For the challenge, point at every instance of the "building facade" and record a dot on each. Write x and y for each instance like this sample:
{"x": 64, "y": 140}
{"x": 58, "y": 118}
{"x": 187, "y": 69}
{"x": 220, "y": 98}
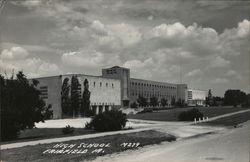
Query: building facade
{"x": 105, "y": 92}
{"x": 114, "y": 89}
{"x": 196, "y": 97}
{"x": 132, "y": 88}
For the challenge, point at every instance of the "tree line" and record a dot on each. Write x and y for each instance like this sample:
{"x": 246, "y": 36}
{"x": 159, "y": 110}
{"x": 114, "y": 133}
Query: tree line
{"x": 154, "y": 101}
{"x": 72, "y": 103}
{"x": 232, "y": 97}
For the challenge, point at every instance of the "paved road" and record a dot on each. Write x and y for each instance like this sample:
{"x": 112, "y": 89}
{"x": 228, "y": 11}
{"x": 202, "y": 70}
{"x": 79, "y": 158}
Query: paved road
{"x": 228, "y": 145}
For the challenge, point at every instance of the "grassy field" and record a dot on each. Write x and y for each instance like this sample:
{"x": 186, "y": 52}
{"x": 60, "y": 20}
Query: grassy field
{"x": 172, "y": 114}
{"x": 233, "y": 120}
{"x": 46, "y": 133}
{"x": 117, "y": 143}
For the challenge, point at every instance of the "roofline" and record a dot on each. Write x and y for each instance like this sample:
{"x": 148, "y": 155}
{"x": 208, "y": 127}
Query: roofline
{"x": 100, "y": 76}
{"x": 155, "y": 81}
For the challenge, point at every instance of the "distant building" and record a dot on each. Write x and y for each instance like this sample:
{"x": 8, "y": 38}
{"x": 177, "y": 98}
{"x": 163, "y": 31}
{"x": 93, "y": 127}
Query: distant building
{"x": 112, "y": 90}
{"x": 196, "y": 97}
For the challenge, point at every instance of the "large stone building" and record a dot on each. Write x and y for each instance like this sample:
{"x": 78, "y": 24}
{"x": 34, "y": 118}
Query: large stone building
{"x": 113, "y": 89}
{"x": 132, "y": 88}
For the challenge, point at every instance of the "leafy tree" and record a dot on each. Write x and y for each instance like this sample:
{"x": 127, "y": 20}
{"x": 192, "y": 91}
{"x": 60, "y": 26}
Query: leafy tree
{"x": 134, "y": 105}
{"x": 180, "y": 103}
{"x": 21, "y": 105}
{"x": 154, "y": 101}
{"x": 217, "y": 101}
{"x": 234, "y": 97}
{"x": 164, "y": 102}
{"x": 173, "y": 102}
{"x": 209, "y": 98}
{"x": 65, "y": 100}
{"x": 86, "y": 100}
{"x": 75, "y": 94}
{"x": 142, "y": 101}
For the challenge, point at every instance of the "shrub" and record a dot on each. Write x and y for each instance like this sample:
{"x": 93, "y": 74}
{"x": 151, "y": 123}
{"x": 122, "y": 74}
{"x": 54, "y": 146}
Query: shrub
{"x": 68, "y": 129}
{"x": 88, "y": 125}
{"x": 190, "y": 115}
{"x": 109, "y": 121}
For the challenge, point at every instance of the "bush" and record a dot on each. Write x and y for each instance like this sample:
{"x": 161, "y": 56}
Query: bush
{"x": 68, "y": 129}
{"x": 109, "y": 121}
{"x": 190, "y": 115}
{"x": 88, "y": 125}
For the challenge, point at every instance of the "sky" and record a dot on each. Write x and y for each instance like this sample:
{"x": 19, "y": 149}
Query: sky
{"x": 202, "y": 43}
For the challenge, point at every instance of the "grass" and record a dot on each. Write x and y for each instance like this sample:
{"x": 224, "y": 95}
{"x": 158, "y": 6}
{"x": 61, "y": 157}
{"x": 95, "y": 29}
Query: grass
{"x": 35, "y": 153}
{"x": 232, "y": 120}
{"x": 172, "y": 114}
{"x": 46, "y": 133}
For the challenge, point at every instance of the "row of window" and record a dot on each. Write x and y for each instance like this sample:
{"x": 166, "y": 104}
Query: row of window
{"x": 151, "y": 95}
{"x": 100, "y": 84}
{"x": 111, "y": 71}
{"x": 151, "y": 85}
{"x": 44, "y": 92}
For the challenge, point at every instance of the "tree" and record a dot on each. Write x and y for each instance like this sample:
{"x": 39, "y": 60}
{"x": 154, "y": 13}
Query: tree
{"x": 65, "y": 100}
{"x": 75, "y": 94}
{"x": 86, "y": 100}
{"x": 21, "y": 105}
{"x": 154, "y": 101}
{"x": 133, "y": 105}
{"x": 180, "y": 103}
{"x": 234, "y": 97}
{"x": 173, "y": 101}
{"x": 209, "y": 98}
{"x": 164, "y": 102}
{"x": 142, "y": 101}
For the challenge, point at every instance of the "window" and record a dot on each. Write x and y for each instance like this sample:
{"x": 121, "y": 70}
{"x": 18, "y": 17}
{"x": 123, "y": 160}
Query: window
{"x": 94, "y": 84}
{"x": 107, "y": 85}
{"x": 100, "y": 84}
{"x": 112, "y": 85}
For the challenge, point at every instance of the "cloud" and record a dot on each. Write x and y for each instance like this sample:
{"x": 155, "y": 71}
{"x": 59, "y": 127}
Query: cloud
{"x": 83, "y": 58}
{"x": 195, "y": 72}
{"x": 231, "y": 73}
{"x": 14, "y": 53}
{"x": 18, "y": 59}
{"x": 32, "y": 67}
{"x": 218, "y": 62}
{"x": 220, "y": 81}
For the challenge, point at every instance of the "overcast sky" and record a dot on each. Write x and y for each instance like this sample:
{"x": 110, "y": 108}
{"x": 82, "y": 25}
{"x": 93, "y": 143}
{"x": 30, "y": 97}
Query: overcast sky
{"x": 207, "y": 40}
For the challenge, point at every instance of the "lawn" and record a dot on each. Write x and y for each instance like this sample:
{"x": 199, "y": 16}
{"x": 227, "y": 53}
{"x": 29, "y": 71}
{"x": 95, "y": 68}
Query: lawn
{"x": 46, "y": 133}
{"x": 111, "y": 144}
{"x": 172, "y": 114}
{"x": 233, "y": 120}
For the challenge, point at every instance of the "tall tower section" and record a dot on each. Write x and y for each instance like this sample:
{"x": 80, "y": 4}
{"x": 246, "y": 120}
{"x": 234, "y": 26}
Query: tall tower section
{"x": 123, "y": 74}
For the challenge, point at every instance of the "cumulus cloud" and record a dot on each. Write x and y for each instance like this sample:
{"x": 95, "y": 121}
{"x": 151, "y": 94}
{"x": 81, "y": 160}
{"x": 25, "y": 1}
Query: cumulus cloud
{"x": 220, "y": 81}
{"x": 18, "y": 59}
{"x": 218, "y": 62}
{"x": 231, "y": 73}
{"x": 83, "y": 58}
{"x": 195, "y": 72}
{"x": 14, "y": 53}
